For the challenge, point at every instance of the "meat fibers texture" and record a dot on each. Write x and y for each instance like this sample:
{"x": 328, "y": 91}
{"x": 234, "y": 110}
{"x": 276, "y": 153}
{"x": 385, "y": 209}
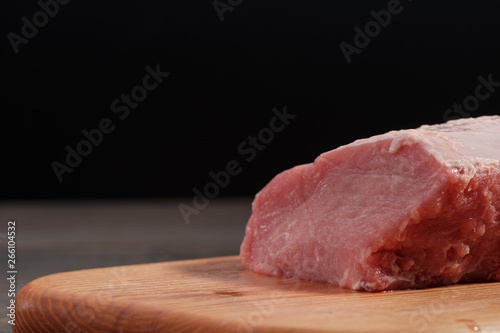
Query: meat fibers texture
{"x": 407, "y": 209}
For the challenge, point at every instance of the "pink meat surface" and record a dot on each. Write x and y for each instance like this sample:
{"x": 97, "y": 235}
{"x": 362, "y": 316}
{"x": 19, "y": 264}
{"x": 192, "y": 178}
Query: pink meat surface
{"x": 406, "y": 209}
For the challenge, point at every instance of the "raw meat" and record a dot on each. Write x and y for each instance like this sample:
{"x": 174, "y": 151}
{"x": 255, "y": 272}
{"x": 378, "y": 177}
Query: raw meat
{"x": 406, "y": 209}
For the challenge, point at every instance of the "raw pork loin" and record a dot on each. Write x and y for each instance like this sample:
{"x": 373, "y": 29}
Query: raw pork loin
{"x": 406, "y": 209}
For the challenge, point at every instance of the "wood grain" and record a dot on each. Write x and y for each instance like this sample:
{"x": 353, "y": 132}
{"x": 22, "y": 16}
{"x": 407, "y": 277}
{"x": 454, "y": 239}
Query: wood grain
{"x": 219, "y": 295}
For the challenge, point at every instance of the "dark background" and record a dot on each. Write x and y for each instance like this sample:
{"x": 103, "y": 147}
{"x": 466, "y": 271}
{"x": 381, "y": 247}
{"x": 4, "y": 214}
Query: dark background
{"x": 225, "y": 79}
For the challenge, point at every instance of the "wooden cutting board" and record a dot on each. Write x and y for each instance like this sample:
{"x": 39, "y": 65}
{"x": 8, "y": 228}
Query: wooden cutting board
{"x": 219, "y": 295}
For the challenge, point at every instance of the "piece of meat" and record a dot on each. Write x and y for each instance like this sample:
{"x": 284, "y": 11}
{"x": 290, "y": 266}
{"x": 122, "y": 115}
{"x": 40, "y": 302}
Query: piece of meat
{"x": 406, "y": 209}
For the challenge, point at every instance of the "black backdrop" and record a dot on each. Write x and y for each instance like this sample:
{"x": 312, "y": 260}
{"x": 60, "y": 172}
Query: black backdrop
{"x": 225, "y": 78}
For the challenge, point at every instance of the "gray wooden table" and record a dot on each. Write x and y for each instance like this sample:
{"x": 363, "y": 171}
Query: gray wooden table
{"x": 62, "y": 236}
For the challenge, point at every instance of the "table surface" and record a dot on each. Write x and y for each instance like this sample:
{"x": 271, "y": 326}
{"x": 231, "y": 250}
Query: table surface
{"x": 59, "y": 236}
